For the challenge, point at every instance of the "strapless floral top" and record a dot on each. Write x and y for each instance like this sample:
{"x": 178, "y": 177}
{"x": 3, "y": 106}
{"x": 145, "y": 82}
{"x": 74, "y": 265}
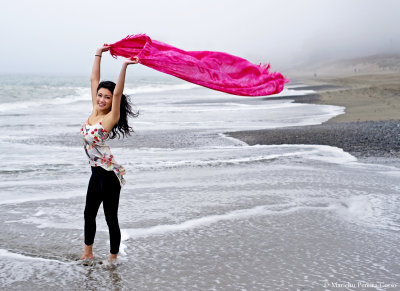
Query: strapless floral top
{"x": 98, "y": 152}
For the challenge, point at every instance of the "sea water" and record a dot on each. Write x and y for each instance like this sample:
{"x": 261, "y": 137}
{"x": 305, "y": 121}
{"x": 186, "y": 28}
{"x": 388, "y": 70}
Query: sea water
{"x": 200, "y": 210}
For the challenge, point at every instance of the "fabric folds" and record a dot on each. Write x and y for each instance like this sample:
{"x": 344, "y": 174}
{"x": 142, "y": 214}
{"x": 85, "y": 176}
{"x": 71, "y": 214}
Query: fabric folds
{"x": 215, "y": 70}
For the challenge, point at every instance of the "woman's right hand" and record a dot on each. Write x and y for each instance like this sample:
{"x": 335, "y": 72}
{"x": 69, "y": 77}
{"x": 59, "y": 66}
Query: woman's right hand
{"x": 132, "y": 60}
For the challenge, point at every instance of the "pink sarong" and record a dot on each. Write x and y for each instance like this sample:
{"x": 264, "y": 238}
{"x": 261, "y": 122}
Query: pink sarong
{"x": 215, "y": 70}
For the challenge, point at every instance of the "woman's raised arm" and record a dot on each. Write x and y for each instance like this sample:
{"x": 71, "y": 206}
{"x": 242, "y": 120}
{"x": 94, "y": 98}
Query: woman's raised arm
{"x": 113, "y": 117}
{"x": 95, "y": 77}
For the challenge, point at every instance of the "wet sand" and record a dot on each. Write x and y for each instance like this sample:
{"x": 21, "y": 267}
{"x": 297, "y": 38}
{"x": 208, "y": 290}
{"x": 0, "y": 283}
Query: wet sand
{"x": 370, "y": 126}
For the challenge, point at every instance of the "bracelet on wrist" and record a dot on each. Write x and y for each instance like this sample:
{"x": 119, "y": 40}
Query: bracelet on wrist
{"x": 97, "y": 56}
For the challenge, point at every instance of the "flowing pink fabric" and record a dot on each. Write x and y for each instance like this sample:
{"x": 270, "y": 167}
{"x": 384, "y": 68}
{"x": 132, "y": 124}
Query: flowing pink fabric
{"x": 216, "y": 70}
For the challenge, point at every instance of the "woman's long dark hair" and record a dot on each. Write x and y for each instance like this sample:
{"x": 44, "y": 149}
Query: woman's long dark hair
{"x": 122, "y": 127}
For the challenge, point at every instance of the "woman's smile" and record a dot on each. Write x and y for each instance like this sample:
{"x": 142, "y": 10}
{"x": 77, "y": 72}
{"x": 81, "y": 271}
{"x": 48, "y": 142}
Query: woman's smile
{"x": 104, "y": 98}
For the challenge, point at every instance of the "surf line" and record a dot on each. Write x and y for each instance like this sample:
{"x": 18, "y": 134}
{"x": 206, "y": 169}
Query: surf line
{"x": 133, "y": 233}
{"x": 6, "y": 253}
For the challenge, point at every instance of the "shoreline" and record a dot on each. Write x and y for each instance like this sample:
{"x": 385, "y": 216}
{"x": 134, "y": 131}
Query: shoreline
{"x": 369, "y": 128}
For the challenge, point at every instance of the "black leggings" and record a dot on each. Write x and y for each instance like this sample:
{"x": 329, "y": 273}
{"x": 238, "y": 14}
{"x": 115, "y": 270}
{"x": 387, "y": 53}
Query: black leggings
{"x": 103, "y": 187}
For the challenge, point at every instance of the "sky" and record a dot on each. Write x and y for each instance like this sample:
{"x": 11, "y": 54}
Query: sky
{"x": 61, "y": 37}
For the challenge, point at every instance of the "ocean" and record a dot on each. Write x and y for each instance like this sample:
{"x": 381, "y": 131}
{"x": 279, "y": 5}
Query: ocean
{"x": 200, "y": 210}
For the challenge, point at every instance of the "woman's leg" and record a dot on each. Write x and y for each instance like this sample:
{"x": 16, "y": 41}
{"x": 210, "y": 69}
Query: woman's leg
{"x": 110, "y": 206}
{"x": 93, "y": 201}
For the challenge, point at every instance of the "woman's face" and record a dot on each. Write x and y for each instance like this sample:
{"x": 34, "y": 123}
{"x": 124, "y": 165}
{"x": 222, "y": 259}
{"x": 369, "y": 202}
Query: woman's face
{"x": 104, "y": 99}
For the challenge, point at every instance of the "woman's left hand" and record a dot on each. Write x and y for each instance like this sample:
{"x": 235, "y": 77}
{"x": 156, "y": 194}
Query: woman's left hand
{"x": 132, "y": 60}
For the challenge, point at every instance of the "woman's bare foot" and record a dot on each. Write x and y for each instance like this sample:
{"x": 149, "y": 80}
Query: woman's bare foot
{"x": 87, "y": 253}
{"x": 112, "y": 257}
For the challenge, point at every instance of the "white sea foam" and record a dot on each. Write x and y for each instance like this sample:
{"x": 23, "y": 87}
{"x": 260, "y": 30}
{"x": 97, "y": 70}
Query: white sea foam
{"x": 376, "y": 211}
{"x": 194, "y": 223}
{"x": 39, "y": 213}
{"x": 28, "y": 270}
{"x": 231, "y": 155}
{"x": 212, "y": 219}
{"x": 165, "y": 228}
{"x": 328, "y": 154}
{"x": 232, "y": 117}
{"x": 216, "y": 162}
{"x": 16, "y": 256}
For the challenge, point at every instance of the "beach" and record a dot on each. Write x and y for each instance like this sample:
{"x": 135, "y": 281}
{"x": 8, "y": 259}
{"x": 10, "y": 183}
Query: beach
{"x": 370, "y": 126}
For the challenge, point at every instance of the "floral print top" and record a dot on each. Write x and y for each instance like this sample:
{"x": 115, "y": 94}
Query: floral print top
{"x": 98, "y": 152}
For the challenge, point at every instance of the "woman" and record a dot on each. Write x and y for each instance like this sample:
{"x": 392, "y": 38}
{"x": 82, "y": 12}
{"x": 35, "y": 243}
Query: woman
{"x": 109, "y": 118}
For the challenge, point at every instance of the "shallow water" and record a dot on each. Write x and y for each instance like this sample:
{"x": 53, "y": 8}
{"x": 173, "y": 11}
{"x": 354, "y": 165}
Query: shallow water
{"x": 200, "y": 211}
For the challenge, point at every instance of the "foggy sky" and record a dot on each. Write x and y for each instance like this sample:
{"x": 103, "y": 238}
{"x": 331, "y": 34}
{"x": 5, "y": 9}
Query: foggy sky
{"x": 61, "y": 37}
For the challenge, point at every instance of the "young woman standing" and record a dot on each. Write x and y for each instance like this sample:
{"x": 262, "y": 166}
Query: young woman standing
{"x": 108, "y": 119}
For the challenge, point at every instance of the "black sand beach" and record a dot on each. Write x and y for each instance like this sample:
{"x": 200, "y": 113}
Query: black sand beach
{"x": 361, "y": 139}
